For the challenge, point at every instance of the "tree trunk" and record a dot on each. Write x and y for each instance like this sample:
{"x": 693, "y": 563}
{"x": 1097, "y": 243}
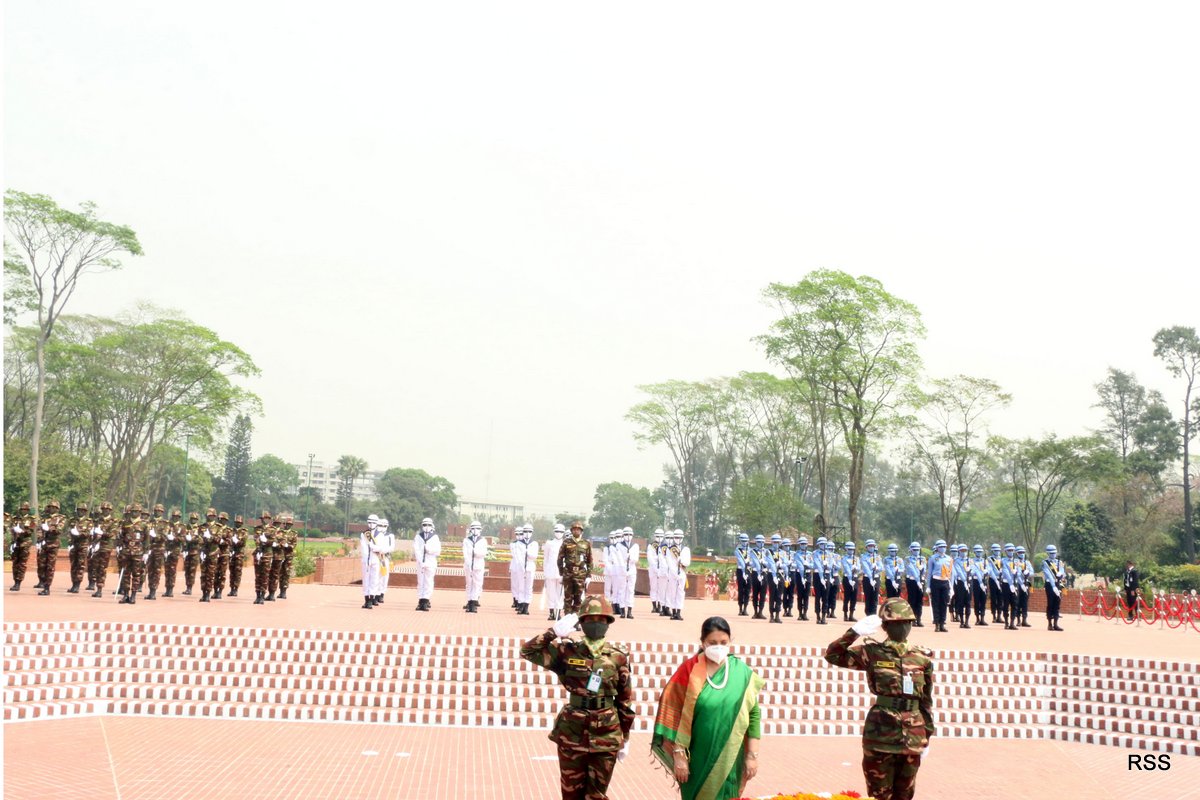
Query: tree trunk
{"x": 35, "y": 443}
{"x": 1189, "y": 534}
{"x": 857, "y": 456}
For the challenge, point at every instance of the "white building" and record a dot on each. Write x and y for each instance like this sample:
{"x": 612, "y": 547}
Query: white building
{"x": 325, "y": 480}
{"x": 480, "y": 510}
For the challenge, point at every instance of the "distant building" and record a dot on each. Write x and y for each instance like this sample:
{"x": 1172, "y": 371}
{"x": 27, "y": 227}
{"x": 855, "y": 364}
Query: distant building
{"x": 479, "y": 510}
{"x": 325, "y": 480}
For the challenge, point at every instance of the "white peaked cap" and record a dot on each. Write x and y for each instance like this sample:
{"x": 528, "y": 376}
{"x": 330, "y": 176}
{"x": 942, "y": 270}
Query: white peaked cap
{"x": 427, "y": 521}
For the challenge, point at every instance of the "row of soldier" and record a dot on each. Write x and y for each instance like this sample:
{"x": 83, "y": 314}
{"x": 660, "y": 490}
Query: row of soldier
{"x": 147, "y": 546}
{"x": 957, "y": 580}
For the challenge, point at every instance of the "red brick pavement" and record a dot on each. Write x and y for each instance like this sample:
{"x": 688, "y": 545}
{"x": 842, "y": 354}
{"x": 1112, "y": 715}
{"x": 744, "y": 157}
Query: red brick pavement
{"x": 133, "y": 757}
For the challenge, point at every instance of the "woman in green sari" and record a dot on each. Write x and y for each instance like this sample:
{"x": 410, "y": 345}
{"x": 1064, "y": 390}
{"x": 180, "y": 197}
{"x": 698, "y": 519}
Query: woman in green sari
{"x": 707, "y": 728}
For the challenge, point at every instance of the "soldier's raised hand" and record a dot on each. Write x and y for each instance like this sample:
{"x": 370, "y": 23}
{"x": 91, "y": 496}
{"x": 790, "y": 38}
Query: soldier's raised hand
{"x": 867, "y": 625}
{"x": 566, "y": 625}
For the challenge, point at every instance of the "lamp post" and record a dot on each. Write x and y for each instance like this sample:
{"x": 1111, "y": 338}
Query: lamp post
{"x": 308, "y": 494}
{"x": 187, "y": 449}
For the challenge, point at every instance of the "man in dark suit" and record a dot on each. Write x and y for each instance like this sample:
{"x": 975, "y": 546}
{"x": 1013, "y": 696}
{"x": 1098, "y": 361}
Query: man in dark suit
{"x": 1132, "y": 585}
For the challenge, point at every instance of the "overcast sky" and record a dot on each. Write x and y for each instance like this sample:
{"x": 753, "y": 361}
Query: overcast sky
{"x": 457, "y": 236}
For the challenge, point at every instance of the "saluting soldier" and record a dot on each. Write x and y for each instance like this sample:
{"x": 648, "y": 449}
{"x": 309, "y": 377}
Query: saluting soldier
{"x": 80, "y": 534}
{"x": 156, "y": 538}
{"x": 52, "y": 527}
{"x": 264, "y": 552}
{"x": 574, "y": 564}
{"x": 223, "y": 544}
{"x": 592, "y": 730}
{"x": 238, "y": 536}
{"x": 900, "y": 723}
{"x": 22, "y": 526}
{"x": 191, "y": 552}
{"x": 104, "y": 536}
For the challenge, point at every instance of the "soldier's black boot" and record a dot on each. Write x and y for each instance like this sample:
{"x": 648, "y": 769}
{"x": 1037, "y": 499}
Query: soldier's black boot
{"x": 1025, "y": 622}
{"x": 1057, "y": 627}
{"x": 654, "y": 607}
{"x": 514, "y": 605}
{"x": 283, "y": 596}
{"x": 216, "y": 595}
{"x": 153, "y": 595}
{"x": 232, "y": 593}
{"x": 98, "y": 593}
{"x": 367, "y": 603}
{"x": 204, "y": 597}
{"x": 629, "y": 613}
{"x": 131, "y": 599}
{"x": 91, "y": 587}
{"x": 852, "y": 617}
{"x": 270, "y": 598}
{"x": 1049, "y": 624}
{"x": 169, "y": 593}
{"x": 258, "y": 598}
{"x": 74, "y": 588}
{"x": 39, "y": 585}
{"x": 188, "y": 590}
{"x": 918, "y": 624}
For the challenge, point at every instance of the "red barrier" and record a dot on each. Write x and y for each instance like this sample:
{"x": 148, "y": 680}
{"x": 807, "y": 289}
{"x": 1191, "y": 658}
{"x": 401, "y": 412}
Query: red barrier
{"x": 1174, "y": 611}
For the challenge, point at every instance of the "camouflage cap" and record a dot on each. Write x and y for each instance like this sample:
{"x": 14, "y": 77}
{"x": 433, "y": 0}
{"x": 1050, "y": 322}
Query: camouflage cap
{"x": 896, "y": 609}
{"x": 193, "y": 516}
{"x": 175, "y": 512}
{"x": 159, "y": 507}
{"x": 595, "y": 606}
{"x": 212, "y": 512}
{"x": 576, "y": 524}
{"x": 106, "y": 506}
{"x": 223, "y": 515}
{"x": 135, "y": 508}
{"x": 24, "y": 506}
{"x": 52, "y": 504}
{"x": 238, "y": 518}
{"x": 81, "y": 506}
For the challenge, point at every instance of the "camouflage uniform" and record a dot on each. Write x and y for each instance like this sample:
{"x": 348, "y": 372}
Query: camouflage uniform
{"x": 132, "y": 544}
{"x": 156, "y": 540}
{"x": 900, "y": 724}
{"x": 238, "y": 537}
{"x": 594, "y": 725}
{"x": 50, "y": 531}
{"x": 191, "y": 551}
{"x": 264, "y": 539}
{"x": 210, "y": 538}
{"x": 574, "y": 564}
{"x": 223, "y": 543}
{"x": 21, "y": 541}
{"x": 288, "y": 538}
{"x": 276, "y": 560}
{"x": 80, "y": 534}
{"x": 104, "y": 535}
{"x": 171, "y": 550}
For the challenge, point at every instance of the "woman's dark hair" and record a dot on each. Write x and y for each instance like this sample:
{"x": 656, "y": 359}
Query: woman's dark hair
{"x": 714, "y": 624}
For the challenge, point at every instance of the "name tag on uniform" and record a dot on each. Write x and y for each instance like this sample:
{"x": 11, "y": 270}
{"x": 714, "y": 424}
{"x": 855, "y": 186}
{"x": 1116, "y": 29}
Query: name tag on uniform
{"x": 577, "y": 662}
{"x": 593, "y": 684}
{"x": 886, "y": 664}
{"x": 908, "y": 685}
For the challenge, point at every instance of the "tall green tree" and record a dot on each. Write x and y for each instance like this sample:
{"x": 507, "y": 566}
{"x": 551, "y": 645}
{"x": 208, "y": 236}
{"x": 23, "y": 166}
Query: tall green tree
{"x": 949, "y": 444}
{"x": 233, "y": 490}
{"x": 19, "y": 295}
{"x": 57, "y": 247}
{"x": 1179, "y": 349}
{"x": 273, "y": 481}
{"x": 857, "y": 343}
{"x": 620, "y": 504}
{"x": 761, "y": 504}
{"x": 349, "y": 469}
{"x": 1087, "y": 533}
{"x": 406, "y": 496}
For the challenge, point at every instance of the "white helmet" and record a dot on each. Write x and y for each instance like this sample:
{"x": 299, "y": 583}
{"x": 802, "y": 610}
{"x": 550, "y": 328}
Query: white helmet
{"x": 628, "y": 531}
{"x": 383, "y": 523}
{"x": 475, "y": 526}
{"x": 372, "y": 520}
{"x": 560, "y": 528}
{"x": 528, "y": 528}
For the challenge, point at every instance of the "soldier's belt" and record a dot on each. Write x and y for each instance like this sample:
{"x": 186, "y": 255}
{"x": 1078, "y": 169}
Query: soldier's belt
{"x": 897, "y": 703}
{"x": 591, "y": 703}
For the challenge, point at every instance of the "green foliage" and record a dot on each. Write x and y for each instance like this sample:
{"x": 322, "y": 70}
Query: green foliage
{"x": 760, "y": 504}
{"x": 19, "y": 294}
{"x": 1184, "y": 577}
{"x": 406, "y": 496}
{"x": 304, "y": 562}
{"x": 619, "y": 504}
{"x": 233, "y": 490}
{"x": 64, "y": 476}
{"x": 1087, "y": 533}
{"x": 273, "y": 477}
{"x": 906, "y": 517}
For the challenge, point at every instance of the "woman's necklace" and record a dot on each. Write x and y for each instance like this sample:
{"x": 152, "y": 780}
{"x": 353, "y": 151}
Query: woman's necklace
{"x": 724, "y": 680}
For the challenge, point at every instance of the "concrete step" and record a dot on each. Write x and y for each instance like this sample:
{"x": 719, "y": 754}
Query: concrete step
{"x": 1124, "y": 741}
{"x": 1179, "y": 702}
{"x": 1162, "y": 677}
{"x": 1116, "y": 725}
{"x": 1127, "y": 712}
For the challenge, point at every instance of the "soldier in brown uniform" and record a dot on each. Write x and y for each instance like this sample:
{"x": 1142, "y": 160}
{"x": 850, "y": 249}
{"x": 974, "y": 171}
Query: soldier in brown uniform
{"x": 144, "y": 518}
{"x": 900, "y": 723}
{"x": 238, "y": 536}
{"x": 592, "y": 730}
{"x": 172, "y": 547}
{"x": 210, "y": 546}
{"x": 264, "y": 539}
{"x": 156, "y": 541}
{"x": 191, "y": 551}
{"x": 133, "y": 546}
{"x": 574, "y": 564}
{"x": 52, "y": 527}
{"x": 288, "y": 539}
{"x": 276, "y": 560}
{"x": 80, "y": 535}
{"x": 22, "y": 526}
{"x": 223, "y": 545}
{"x": 104, "y": 535}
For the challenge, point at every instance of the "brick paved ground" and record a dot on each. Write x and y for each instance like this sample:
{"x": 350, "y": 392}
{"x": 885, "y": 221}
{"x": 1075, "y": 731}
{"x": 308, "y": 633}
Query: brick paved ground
{"x": 152, "y": 758}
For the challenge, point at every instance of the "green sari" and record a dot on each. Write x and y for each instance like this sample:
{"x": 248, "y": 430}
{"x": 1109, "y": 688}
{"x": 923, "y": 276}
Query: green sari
{"x": 712, "y": 724}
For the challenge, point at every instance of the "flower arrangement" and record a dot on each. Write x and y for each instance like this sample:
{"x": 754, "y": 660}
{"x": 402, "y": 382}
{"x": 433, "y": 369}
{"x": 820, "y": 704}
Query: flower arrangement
{"x": 846, "y": 795}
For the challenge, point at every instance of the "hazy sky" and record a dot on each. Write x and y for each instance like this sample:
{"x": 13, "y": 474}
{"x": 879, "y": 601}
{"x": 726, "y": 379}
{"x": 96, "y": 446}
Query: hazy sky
{"x": 457, "y": 235}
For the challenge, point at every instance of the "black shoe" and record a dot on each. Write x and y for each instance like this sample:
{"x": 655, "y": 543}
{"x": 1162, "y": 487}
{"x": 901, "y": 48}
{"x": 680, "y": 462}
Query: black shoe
{"x": 654, "y": 607}
{"x": 98, "y": 593}
{"x": 187, "y": 590}
{"x": 216, "y": 595}
{"x": 91, "y": 587}
{"x": 169, "y": 593}
{"x": 981, "y": 623}
{"x": 232, "y": 593}
{"x": 258, "y": 598}
{"x": 367, "y": 603}
{"x": 787, "y": 613}
{"x": 270, "y": 598}
{"x": 1025, "y": 624}
{"x": 40, "y": 585}
{"x": 803, "y": 618}
{"x": 283, "y": 596}
{"x": 204, "y": 597}
{"x": 74, "y": 588}
{"x": 152, "y": 596}
{"x": 514, "y": 605}
{"x": 1057, "y": 627}
{"x": 918, "y": 624}
{"x": 852, "y": 618}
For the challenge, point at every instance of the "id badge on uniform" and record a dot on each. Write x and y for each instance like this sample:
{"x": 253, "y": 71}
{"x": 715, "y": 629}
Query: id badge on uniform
{"x": 908, "y": 685}
{"x": 593, "y": 684}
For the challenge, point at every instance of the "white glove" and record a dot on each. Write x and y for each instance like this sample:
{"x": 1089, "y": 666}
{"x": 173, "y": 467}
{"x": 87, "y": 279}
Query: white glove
{"x": 75, "y": 531}
{"x": 188, "y": 537}
{"x": 208, "y": 534}
{"x": 624, "y": 751}
{"x": 867, "y": 625}
{"x": 39, "y": 545}
{"x": 96, "y": 531}
{"x": 925, "y": 752}
{"x": 93, "y": 548}
{"x": 45, "y": 527}
{"x": 258, "y": 556}
{"x": 153, "y": 533}
{"x": 18, "y": 529}
{"x": 263, "y": 538}
{"x": 235, "y": 540}
{"x": 170, "y": 537}
{"x": 203, "y": 557}
{"x": 146, "y": 558}
{"x": 565, "y": 625}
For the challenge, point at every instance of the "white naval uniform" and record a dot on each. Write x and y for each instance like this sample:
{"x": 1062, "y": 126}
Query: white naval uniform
{"x": 616, "y": 571}
{"x": 475, "y": 555}
{"x": 679, "y": 577}
{"x": 629, "y": 579}
{"x": 552, "y": 587}
{"x": 516, "y": 568}
{"x": 426, "y": 552}
{"x": 385, "y": 544}
{"x": 370, "y": 563}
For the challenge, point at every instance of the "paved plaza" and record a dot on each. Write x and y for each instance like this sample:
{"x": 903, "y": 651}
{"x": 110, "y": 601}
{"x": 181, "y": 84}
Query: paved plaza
{"x": 163, "y": 757}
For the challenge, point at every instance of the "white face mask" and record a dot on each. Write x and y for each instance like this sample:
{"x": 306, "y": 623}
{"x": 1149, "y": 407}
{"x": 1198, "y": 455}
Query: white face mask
{"x": 558, "y": 534}
{"x": 717, "y": 653}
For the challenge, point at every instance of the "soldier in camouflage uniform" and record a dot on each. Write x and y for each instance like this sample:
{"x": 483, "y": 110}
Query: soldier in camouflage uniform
{"x": 238, "y": 536}
{"x": 574, "y": 564}
{"x": 156, "y": 541}
{"x": 172, "y": 547}
{"x": 104, "y": 536}
{"x": 22, "y": 526}
{"x": 264, "y": 540}
{"x": 276, "y": 559}
{"x": 80, "y": 534}
{"x": 210, "y": 538}
{"x": 223, "y": 545}
{"x": 132, "y": 544}
{"x": 592, "y": 730}
{"x": 52, "y": 527}
{"x": 900, "y": 723}
{"x": 288, "y": 538}
{"x": 144, "y": 518}
{"x": 191, "y": 552}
